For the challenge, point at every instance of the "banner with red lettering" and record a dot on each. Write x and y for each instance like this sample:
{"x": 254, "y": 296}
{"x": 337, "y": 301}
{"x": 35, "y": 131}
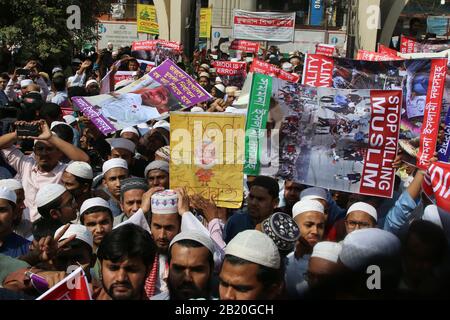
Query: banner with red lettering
{"x": 338, "y": 139}
{"x": 436, "y": 184}
{"x": 231, "y": 73}
{"x": 245, "y": 46}
{"x": 412, "y": 45}
{"x": 432, "y": 112}
{"x": 263, "y": 26}
{"x": 157, "y": 51}
{"x": 408, "y": 44}
{"x": 268, "y": 69}
{"x": 375, "y": 56}
{"x": 74, "y": 287}
{"x": 325, "y": 49}
{"x": 318, "y": 70}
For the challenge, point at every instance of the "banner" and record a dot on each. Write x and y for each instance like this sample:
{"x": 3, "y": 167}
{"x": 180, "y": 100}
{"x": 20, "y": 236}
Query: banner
{"x": 318, "y": 71}
{"x": 268, "y": 69}
{"x": 375, "y": 56}
{"x": 207, "y": 155}
{"x": 411, "y": 45}
{"x": 231, "y": 73}
{"x": 157, "y": 51}
{"x": 74, "y": 287}
{"x": 325, "y": 49}
{"x": 147, "y": 21}
{"x": 432, "y": 113}
{"x": 263, "y": 26}
{"x": 444, "y": 148}
{"x": 245, "y": 46}
{"x": 436, "y": 184}
{"x": 205, "y": 23}
{"x": 258, "y": 111}
{"x": 408, "y": 44}
{"x": 386, "y": 50}
{"x": 123, "y": 75}
{"x": 166, "y": 88}
{"x": 339, "y": 139}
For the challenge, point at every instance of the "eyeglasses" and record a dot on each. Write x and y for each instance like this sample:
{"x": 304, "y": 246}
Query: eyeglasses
{"x": 360, "y": 224}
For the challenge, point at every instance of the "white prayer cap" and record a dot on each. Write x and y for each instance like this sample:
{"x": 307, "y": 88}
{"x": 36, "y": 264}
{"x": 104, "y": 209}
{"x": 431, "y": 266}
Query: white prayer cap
{"x": 156, "y": 165}
{"x": 234, "y": 60}
{"x": 25, "y": 83}
{"x": 49, "y": 193}
{"x": 368, "y": 246}
{"x": 327, "y": 250}
{"x": 69, "y": 119}
{"x": 162, "y": 124}
{"x": 11, "y": 184}
{"x": 254, "y": 246}
{"x": 287, "y": 66}
{"x": 130, "y": 129}
{"x": 314, "y": 193}
{"x": 93, "y": 202}
{"x": 121, "y": 143}
{"x": 56, "y": 69}
{"x": 231, "y": 110}
{"x": 80, "y": 169}
{"x": 431, "y": 213}
{"x": 220, "y": 87}
{"x": 237, "y": 93}
{"x": 57, "y": 123}
{"x": 204, "y": 74}
{"x": 164, "y": 202}
{"x": 197, "y": 109}
{"x": 8, "y": 194}
{"x": 218, "y": 80}
{"x": 231, "y": 90}
{"x": 114, "y": 163}
{"x": 143, "y": 128}
{"x": 198, "y": 236}
{"x": 91, "y": 82}
{"x": 303, "y": 206}
{"x": 365, "y": 207}
{"x": 205, "y": 66}
{"x": 81, "y": 232}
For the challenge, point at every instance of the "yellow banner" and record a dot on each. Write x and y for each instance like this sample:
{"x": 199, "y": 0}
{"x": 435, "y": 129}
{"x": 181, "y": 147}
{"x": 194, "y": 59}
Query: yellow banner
{"x": 147, "y": 21}
{"x": 205, "y": 22}
{"x": 207, "y": 156}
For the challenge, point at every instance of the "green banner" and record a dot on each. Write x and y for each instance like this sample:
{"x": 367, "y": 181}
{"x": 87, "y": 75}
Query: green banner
{"x": 258, "y": 111}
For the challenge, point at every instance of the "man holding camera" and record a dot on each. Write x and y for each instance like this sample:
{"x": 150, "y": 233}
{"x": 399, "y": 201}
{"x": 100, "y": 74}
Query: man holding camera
{"x": 43, "y": 166}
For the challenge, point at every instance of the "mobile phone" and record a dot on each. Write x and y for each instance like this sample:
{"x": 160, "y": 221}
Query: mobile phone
{"x": 28, "y": 130}
{"x": 23, "y": 72}
{"x": 38, "y": 282}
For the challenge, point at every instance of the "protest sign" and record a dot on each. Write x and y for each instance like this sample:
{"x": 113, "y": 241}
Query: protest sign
{"x": 318, "y": 71}
{"x": 157, "y": 50}
{"x": 268, "y": 69}
{"x": 412, "y": 45}
{"x": 375, "y": 56}
{"x": 258, "y": 110}
{"x": 73, "y": 287}
{"x": 437, "y": 184}
{"x": 207, "y": 156}
{"x": 339, "y": 139}
{"x": 205, "y": 23}
{"x": 245, "y": 46}
{"x": 325, "y": 49}
{"x": 231, "y": 73}
{"x": 147, "y": 21}
{"x": 386, "y": 50}
{"x": 166, "y": 88}
{"x": 263, "y": 26}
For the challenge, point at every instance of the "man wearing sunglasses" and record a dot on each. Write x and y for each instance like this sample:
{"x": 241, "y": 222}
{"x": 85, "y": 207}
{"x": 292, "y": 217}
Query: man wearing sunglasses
{"x": 44, "y": 166}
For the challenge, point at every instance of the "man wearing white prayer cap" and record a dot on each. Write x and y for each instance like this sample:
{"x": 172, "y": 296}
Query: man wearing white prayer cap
{"x": 197, "y": 109}
{"x": 12, "y": 244}
{"x": 22, "y": 224}
{"x": 57, "y": 206}
{"x": 360, "y": 215}
{"x": 124, "y": 149}
{"x": 131, "y": 134}
{"x": 310, "y": 218}
{"x": 96, "y": 215}
{"x": 203, "y": 80}
{"x": 219, "y": 80}
{"x": 92, "y": 87}
{"x": 77, "y": 178}
{"x": 114, "y": 171}
{"x": 78, "y": 250}
{"x": 157, "y": 174}
{"x": 191, "y": 266}
{"x": 248, "y": 256}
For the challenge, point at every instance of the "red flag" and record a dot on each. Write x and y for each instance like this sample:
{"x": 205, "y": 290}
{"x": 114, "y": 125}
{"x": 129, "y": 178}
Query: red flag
{"x": 73, "y": 287}
{"x": 436, "y": 184}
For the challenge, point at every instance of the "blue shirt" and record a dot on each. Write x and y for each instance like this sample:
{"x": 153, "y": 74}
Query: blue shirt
{"x": 15, "y": 246}
{"x": 295, "y": 274}
{"x": 401, "y": 213}
{"x": 240, "y": 221}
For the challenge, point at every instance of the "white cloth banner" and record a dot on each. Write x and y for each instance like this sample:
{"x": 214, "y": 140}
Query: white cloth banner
{"x": 263, "y": 26}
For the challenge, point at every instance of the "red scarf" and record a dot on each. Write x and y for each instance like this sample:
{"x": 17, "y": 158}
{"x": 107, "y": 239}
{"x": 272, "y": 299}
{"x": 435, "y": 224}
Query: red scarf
{"x": 150, "y": 282}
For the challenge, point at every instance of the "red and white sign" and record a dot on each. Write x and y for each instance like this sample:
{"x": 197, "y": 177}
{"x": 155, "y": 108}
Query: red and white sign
{"x": 378, "y": 176}
{"x": 245, "y": 46}
{"x": 123, "y": 75}
{"x": 325, "y": 49}
{"x": 318, "y": 71}
{"x": 229, "y": 68}
{"x": 268, "y": 69}
{"x": 432, "y": 113}
{"x": 375, "y": 56}
{"x": 386, "y": 50}
{"x": 408, "y": 45}
{"x": 263, "y": 26}
{"x": 150, "y": 45}
{"x": 73, "y": 287}
{"x": 436, "y": 184}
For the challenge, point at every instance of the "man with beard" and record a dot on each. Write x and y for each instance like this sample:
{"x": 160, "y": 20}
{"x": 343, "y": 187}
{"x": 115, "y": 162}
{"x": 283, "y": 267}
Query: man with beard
{"x": 262, "y": 200}
{"x": 310, "y": 218}
{"x": 77, "y": 178}
{"x": 191, "y": 265}
{"x": 126, "y": 255}
{"x": 165, "y": 224}
{"x": 292, "y": 192}
{"x": 42, "y": 168}
{"x": 131, "y": 192}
